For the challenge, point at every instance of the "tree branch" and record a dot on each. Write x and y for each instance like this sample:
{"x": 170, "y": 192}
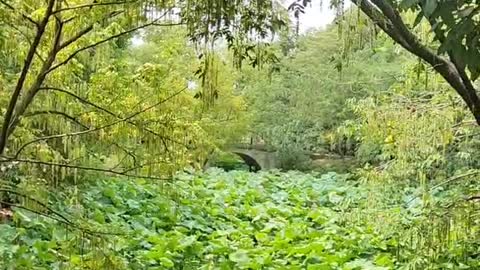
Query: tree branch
{"x": 401, "y": 34}
{"x": 133, "y": 123}
{"x": 82, "y": 100}
{"x": 34, "y": 88}
{"x": 62, "y": 218}
{"x": 69, "y": 58}
{"x": 86, "y": 30}
{"x": 473, "y": 198}
{"x": 143, "y": 166}
{"x": 25, "y": 16}
{"x": 85, "y": 168}
{"x": 69, "y": 117}
{"x": 439, "y": 34}
{"x": 23, "y": 75}
{"x": 27, "y": 39}
{"x": 66, "y": 220}
{"x": 128, "y": 153}
{"x": 101, "y": 127}
{"x": 379, "y": 19}
{"x": 92, "y": 5}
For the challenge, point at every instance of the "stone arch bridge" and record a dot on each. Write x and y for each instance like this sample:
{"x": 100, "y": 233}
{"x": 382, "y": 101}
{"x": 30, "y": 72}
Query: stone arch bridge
{"x": 256, "y": 156}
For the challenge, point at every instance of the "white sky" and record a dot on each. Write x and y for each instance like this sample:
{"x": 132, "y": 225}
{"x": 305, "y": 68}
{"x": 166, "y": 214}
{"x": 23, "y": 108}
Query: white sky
{"x": 316, "y": 16}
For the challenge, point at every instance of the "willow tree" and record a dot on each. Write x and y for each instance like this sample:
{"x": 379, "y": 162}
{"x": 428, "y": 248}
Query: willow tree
{"x": 54, "y": 48}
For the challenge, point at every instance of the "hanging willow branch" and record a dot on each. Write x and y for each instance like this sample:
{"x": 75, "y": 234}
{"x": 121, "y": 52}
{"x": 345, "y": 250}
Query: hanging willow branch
{"x": 103, "y": 109}
{"x": 25, "y": 16}
{"x": 85, "y": 168}
{"x": 54, "y": 112}
{"x": 18, "y": 103}
{"x": 95, "y": 4}
{"x": 79, "y": 133}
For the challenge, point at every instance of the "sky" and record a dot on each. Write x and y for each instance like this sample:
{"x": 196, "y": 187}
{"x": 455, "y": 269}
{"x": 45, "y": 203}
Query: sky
{"x": 316, "y": 16}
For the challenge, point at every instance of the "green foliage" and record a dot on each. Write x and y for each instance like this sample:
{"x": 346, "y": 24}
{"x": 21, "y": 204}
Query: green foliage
{"x": 417, "y": 130}
{"x": 82, "y": 90}
{"x": 455, "y": 25}
{"x": 117, "y": 84}
{"x": 240, "y": 220}
{"x": 293, "y": 157}
{"x": 78, "y": 91}
{"x": 304, "y": 96}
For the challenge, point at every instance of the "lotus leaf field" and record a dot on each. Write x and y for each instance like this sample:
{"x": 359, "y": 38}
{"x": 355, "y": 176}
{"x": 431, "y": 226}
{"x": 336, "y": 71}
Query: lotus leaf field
{"x": 238, "y": 220}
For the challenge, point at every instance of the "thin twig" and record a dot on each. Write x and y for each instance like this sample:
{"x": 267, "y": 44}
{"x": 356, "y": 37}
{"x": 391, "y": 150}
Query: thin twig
{"x": 449, "y": 180}
{"x": 28, "y": 18}
{"x": 27, "y": 39}
{"x": 101, "y": 127}
{"x": 69, "y": 117}
{"x": 4, "y": 133}
{"x": 85, "y": 168}
{"x": 474, "y": 198}
{"x": 75, "y": 53}
{"x": 92, "y": 5}
{"x": 65, "y": 220}
{"x": 138, "y": 125}
{"x": 455, "y": 178}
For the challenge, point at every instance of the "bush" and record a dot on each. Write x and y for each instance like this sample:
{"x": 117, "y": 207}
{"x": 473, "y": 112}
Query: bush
{"x": 293, "y": 158}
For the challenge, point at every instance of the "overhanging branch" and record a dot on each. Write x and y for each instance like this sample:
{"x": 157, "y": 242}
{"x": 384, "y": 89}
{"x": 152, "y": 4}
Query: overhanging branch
{"x": 126, "y": 32}
{"x": 79, "y": 133}
{"x": 85, "y": 168}
{"x": 54, "y": 112}
{"x": 102, "y": 109}
{"x": 25, "y": 16}
{"x": 92, "y": 5}
{"x": 395, "y": 28}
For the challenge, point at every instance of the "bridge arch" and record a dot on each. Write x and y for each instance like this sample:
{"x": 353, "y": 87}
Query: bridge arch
{"x": 249, "y": 160}
{"x": 255, "y": 159}
{"x": 264, "y": 160}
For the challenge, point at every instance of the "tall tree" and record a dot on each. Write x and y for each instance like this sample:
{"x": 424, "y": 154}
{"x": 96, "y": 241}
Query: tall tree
{"x": 54, "y": 48}
{"x": 456, "y": 30}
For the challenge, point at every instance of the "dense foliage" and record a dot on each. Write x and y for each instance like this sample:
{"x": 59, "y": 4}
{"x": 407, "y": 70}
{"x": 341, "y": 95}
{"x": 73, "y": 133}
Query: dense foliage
{"x": 241, "y": 220}
{"x": 293, "y": 101}
{"x": 112, "y": 109}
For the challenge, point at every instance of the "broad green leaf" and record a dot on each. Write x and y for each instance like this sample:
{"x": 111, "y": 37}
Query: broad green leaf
{"x": 240, "y": 256}
{"x": 429, "y": 7}
{"x": 166, "y": 262}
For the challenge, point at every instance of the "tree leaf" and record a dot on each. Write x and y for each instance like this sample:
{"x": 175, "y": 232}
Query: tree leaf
{"x": 429, "y": 7}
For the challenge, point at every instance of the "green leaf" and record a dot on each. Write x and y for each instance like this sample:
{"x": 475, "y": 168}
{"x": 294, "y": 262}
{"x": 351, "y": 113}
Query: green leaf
{"x": 322, "y": 266}
{"x": 240, "y": 256}
{"x": 166, "y": 262}
{"x": 407, "y": 4}
{"x": 362, "y": 264}
{"x": 98, "y": 216}
{"x": 429, "y": 7}
{"x": 384, "y": 259}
